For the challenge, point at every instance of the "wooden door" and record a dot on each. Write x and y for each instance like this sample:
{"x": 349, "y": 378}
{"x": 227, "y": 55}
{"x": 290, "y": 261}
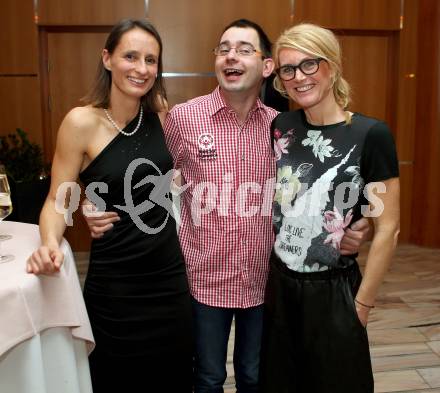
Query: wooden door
{"x": 72, "y": 57}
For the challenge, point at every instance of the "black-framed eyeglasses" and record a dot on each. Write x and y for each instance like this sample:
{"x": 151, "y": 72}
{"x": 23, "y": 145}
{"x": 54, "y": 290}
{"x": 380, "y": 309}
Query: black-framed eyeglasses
{"x": 241, "y": 50}
{"x": 308, "y": 67}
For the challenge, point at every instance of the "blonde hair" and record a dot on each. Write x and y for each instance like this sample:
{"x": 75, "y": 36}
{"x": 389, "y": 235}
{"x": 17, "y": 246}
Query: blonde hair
{"x": 319, "y": 42}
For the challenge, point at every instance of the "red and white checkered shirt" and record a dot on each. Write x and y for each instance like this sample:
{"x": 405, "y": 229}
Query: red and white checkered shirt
{"x": 230, "y": 170}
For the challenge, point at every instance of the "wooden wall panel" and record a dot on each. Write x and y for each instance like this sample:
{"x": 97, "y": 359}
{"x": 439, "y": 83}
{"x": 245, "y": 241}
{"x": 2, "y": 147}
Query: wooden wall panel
{"x": 20, "y": 106}
{"x": 185, "y": 88}
{"x": 407, "y": 83}
{"x": 426, "y": 201}
{"x": 406, "y": 196}
{"x": 350, "y": 14}
{"x": 18, "y": 38}
{"x": 369, "y": 78}
{"x": 190, "y": 29}
{"x": 405, "y": 112}
{"x": 88, "y": 12}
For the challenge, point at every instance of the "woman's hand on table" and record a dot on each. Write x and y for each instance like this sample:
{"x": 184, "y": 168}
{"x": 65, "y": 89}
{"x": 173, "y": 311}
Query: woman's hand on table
{"x": 45, "y": 260}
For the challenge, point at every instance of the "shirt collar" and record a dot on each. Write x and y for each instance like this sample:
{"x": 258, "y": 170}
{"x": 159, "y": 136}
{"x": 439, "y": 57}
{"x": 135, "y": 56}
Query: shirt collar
{"x": 218, "y": 103}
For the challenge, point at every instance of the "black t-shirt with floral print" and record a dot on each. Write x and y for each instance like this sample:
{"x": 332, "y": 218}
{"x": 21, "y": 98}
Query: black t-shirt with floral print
{"x": 321, "y": 176}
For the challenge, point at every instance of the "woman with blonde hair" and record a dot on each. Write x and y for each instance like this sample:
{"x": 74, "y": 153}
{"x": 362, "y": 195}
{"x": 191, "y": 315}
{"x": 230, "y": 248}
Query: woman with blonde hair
{"x": 333, "y": 167}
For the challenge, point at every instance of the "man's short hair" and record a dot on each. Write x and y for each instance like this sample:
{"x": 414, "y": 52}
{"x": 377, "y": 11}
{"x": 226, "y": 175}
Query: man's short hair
{"x": 265, "y": 44}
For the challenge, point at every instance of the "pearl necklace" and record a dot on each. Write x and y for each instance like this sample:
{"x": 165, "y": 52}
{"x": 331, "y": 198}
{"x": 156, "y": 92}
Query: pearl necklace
{"x": 120, "y": 129}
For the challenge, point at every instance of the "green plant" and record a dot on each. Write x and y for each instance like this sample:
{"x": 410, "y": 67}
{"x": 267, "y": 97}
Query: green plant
{"x": 22, "y": 158}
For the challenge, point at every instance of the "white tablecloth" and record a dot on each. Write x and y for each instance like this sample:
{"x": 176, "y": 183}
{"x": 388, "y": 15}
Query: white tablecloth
{"x": 45, "y": 334}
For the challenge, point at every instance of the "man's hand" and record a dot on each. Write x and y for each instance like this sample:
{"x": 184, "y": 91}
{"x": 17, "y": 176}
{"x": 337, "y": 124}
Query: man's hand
{"x": 98, "y": 222}
{"x": 355, "y": 236}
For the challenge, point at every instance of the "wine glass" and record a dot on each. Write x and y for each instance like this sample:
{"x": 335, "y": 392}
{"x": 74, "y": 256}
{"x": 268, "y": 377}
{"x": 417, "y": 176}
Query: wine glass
{"x": 5, "y": 210}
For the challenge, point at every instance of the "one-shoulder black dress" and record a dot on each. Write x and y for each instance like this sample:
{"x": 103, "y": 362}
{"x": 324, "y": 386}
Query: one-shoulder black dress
{"x": 136, "y": 290}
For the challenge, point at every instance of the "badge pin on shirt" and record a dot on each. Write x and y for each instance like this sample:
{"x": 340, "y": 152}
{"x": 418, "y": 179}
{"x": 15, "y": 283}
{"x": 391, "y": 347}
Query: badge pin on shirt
{"x": 207, "y": 150}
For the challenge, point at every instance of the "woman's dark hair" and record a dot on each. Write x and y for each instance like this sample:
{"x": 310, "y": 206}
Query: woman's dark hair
{"x": 99, "y": 95}
{"x": 265, "y": 44}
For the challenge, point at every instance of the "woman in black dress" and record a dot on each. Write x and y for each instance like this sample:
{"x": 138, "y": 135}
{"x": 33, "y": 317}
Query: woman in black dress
{"x": 136, "y": 289}
{"x": 333, "y": 167}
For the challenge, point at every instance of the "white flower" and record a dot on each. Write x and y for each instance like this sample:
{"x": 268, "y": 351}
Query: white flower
{"x": 312, "y": 137}
{"x": 321, "y": 147}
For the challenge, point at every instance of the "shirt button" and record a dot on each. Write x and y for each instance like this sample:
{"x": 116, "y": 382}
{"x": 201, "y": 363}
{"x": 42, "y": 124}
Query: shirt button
{"x": 242, "y": 157}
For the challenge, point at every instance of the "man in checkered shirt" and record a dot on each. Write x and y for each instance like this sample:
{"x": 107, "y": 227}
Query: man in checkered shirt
{"x": 221, "y": 145}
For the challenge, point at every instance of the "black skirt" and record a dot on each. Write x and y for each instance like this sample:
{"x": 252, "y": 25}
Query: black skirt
{"x": 313, "y": 340}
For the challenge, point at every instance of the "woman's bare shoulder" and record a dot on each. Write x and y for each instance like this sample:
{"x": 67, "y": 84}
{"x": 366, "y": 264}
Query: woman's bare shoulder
{"x": 79, "y": 125}
{"x": 83, "y": 117}
{"x": 81, "y": 122}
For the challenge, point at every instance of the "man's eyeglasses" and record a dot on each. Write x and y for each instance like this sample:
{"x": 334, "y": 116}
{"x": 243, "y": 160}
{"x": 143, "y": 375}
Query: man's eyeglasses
{"x": 308, "y": 67}
{"x": 241, "y": 50}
